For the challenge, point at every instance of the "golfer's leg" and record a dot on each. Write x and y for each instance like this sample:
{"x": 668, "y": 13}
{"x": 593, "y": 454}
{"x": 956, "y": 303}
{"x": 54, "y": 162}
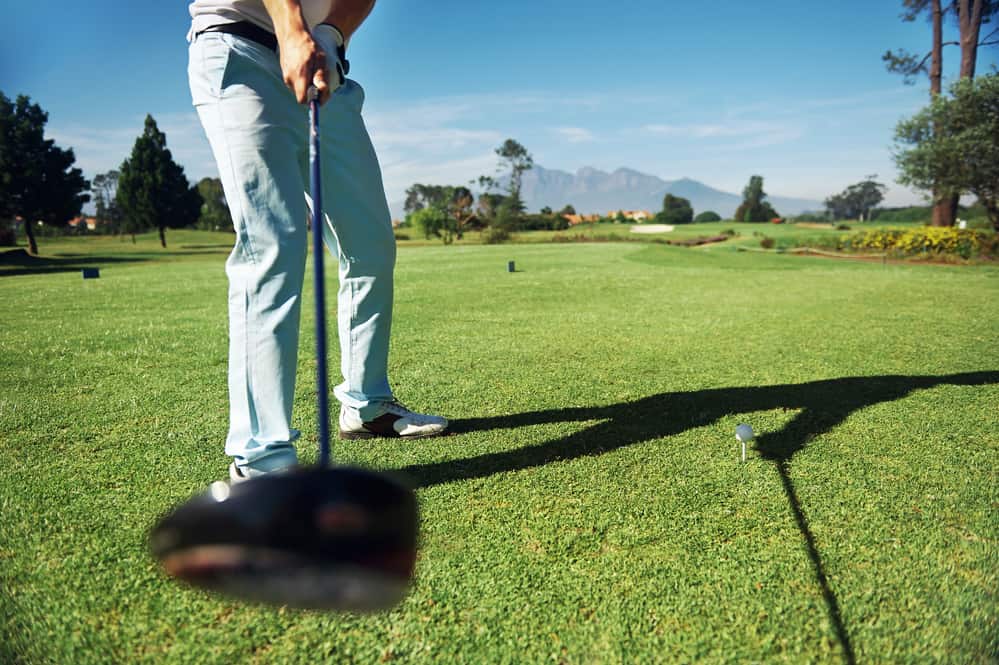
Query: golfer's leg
{"x": 359, "y": 233}
{"x": 257, "y": 134}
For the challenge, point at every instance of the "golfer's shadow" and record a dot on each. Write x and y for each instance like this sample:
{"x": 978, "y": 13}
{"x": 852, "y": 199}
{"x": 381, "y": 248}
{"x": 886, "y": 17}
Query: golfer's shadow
{"x": 821, "y": 406}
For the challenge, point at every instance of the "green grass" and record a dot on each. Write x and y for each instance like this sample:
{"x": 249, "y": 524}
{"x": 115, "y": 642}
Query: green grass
{"x": 590, "y": 508}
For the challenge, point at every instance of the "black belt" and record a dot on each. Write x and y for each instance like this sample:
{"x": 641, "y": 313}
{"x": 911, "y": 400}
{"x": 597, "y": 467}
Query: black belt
{"x": 250, "y": 31}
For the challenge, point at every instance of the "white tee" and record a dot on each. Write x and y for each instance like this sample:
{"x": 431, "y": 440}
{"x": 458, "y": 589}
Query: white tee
{"x": 206, "y": 13}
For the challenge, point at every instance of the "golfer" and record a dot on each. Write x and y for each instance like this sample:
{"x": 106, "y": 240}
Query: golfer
{"x": 252, "y": 63}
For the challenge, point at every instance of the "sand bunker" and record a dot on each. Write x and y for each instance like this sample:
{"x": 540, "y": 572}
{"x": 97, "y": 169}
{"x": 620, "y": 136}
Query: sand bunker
{"x": 651, "y": 228}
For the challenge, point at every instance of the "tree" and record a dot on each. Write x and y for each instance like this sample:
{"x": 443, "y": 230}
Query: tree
{"x": 420, "y": 196}
{"x": 515, "y": 158}
{"x": 567, "y": 210}
{"x": 152, "y": 189}
{"x": 503, "y": 213}
{"x": 676, "y": 210}
{"x": 856, "y": 201}
{"x": 707, "y": 216}
{"x": 105, "y": 190}
{"x": 489, "y": 203}
{"x": 952, "y": 146}
{"x": 215, "y": 215}
{"x": 459, "y": 208}
{"x": 442, "y": 211}
{"x": 433, "y": 221}
{"x": 753, "y": 208}
{"x": 37, "y": 180}
{"x": 970, "y": 15}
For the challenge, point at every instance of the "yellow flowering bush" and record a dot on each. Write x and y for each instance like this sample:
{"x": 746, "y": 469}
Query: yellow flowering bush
{"x": 922, "y": 240}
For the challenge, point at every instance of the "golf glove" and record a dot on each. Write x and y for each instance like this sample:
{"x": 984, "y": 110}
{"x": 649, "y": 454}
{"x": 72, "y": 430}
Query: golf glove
{"x": 331, "y": 41}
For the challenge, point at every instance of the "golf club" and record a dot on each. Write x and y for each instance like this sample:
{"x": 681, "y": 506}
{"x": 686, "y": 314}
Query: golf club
{"x": 333, "y": 538}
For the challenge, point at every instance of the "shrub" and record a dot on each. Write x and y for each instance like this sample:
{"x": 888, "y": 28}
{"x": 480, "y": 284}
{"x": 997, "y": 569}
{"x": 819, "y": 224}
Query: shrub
{"x": 494, "y": 235}
{"x": 728, "y": 232}
{"x": 812, "y": 217}
{"x": 906, "y": 214}
{"x": 542, "y": 222}
{"x": 707, "y": 216}
{"x": 433, "y": 222}
{"x": 767, "y": 242}
{"x": 936, "y": 240}
{"x": 842, "y": 227}
{"x": 676, "y": 210}
{"x": 401, "y": 236}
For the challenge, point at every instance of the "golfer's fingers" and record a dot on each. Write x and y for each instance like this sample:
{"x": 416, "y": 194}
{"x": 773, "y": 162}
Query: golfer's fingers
{"x": 320, "y": 79}
{"x": 302, "y": 90}
{"x": 299, "y": 83}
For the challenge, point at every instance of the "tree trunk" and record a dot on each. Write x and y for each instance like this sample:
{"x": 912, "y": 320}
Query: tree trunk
{"x": 163, "y": 236}
{"x": 936, "y": 62}
{"x": 944, "y": 208}
{"x": 969, "y": 20}
{"x": 32, "y": 245}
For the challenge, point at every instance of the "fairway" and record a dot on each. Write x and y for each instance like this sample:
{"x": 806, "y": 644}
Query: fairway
{"x": 590, "y": 506}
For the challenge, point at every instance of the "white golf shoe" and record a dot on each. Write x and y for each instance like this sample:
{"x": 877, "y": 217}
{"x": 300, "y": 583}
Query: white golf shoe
{"x": 237, "y": 475}
{"x": 395, "y": 421}
{"x": 240, "y": 474}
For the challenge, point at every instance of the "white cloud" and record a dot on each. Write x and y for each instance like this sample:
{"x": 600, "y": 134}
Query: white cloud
{"x": 575, "y": 134}
{"x": 751, "y": 135}
{"x": 431, "y": 138}
{"x": 399, "y": 172}
{"x": 101, "y": 149}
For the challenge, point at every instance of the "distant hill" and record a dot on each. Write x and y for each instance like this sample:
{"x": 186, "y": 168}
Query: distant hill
{"x": 590, "y": 190}
{"x": 593, "y": 191}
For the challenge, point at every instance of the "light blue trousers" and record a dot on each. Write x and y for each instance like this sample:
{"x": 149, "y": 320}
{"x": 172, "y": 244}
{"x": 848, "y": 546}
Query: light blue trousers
{"x": 259, "y": 136}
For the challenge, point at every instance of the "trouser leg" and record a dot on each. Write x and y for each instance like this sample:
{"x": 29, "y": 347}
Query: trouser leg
{"x": 258, "y": 137}
{"x": 359, "y": 233}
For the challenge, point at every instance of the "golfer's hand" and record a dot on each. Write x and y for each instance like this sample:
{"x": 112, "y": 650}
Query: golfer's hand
{"x": 303, "y": 64}
{"x": 331, "y": 41}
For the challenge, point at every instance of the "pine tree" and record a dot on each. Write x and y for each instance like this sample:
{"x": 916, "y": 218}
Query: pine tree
{"x": 753, "y": 208}
{"x": 153, "y": 191}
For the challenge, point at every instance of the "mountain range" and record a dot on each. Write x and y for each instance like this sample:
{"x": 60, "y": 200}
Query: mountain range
{"x": 591, "y": 190}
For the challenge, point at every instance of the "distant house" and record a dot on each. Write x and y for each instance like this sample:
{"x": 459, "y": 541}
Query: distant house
{"x": 581, "y": 219}
{"x": 634, "y": 215}
{"x": 89, "y": 222}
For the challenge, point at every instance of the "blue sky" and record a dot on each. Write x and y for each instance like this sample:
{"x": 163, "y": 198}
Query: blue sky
{"x": 715, "y": 91}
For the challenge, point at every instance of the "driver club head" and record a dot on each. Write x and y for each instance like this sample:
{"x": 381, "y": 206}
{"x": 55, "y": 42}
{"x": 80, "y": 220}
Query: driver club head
{"x": 339, "y": 538}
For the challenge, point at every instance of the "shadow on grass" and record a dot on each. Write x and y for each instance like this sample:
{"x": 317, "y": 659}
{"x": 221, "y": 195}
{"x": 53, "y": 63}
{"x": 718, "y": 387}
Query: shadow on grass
{"x": 216, "y": 246}
{"x": 19, "y": 262}
{"x": 822, "y": 405}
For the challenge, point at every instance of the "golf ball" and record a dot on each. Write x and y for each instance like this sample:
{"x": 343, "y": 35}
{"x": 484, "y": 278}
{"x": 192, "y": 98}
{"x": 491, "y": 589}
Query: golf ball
{"x": 744, "y": 432}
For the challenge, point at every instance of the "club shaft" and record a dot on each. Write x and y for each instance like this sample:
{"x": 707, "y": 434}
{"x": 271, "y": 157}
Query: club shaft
{"x": 318, "y": 253}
